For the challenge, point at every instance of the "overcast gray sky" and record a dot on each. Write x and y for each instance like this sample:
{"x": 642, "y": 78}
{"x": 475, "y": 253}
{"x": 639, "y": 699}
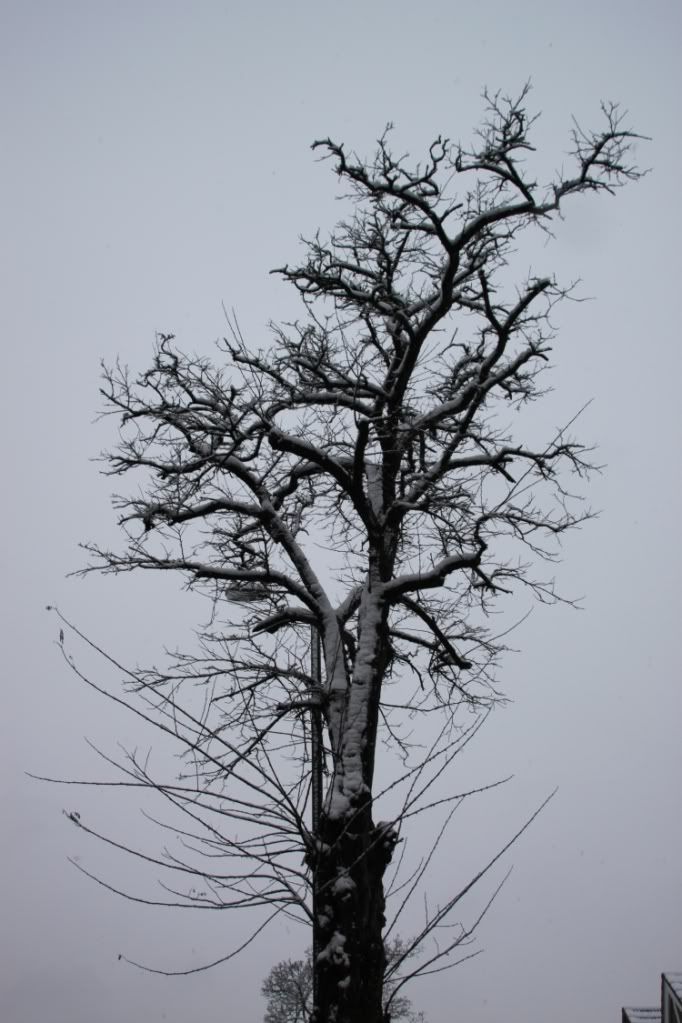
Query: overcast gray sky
{"x": 156, "y": 165}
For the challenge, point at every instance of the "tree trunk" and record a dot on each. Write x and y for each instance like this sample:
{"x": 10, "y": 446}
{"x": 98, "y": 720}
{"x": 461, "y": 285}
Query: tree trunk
{"x": 352, "y": 853}
{"x": 351, "y": 961}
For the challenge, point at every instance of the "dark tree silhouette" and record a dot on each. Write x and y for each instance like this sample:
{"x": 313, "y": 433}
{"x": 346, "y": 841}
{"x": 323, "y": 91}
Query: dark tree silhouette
{"x": 381, "y": 430}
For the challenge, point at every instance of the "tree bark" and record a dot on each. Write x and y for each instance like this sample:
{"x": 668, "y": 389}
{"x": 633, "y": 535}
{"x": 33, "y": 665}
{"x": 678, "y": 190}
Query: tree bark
{"x": 352, "y": 852}
{"x": 350, "y": 968}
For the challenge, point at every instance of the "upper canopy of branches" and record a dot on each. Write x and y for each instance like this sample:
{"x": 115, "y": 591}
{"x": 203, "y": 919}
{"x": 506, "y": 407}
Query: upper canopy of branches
{"x": 381, "y": 421}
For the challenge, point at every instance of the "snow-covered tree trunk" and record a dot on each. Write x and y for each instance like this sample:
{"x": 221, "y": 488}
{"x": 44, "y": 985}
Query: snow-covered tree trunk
{"x": 353, "y": 852}
{"x": 350, "y": 965}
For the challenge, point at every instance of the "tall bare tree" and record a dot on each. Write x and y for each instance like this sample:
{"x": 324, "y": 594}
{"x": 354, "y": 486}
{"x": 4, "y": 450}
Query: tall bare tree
{"x": 380, "y": 429}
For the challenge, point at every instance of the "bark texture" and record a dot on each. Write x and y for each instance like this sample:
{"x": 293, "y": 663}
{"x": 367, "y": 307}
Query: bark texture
{"x": 351, "y": 962}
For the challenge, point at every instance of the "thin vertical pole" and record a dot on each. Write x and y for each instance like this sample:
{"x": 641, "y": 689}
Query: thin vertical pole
{"x": 315, "y": 784}
{"x": 316, "y": 730}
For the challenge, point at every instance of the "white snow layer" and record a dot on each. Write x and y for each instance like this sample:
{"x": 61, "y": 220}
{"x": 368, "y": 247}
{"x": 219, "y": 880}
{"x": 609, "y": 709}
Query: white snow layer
{"x": 334, "y": 950}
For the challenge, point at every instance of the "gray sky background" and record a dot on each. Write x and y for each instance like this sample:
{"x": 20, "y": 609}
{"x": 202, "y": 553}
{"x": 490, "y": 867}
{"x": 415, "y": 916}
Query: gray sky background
{"x": 156, "y": 164}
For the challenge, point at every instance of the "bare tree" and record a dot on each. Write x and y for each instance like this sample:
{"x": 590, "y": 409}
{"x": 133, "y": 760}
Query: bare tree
{"x": 383, "y": 430}
{"x": 289, "y": 989}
